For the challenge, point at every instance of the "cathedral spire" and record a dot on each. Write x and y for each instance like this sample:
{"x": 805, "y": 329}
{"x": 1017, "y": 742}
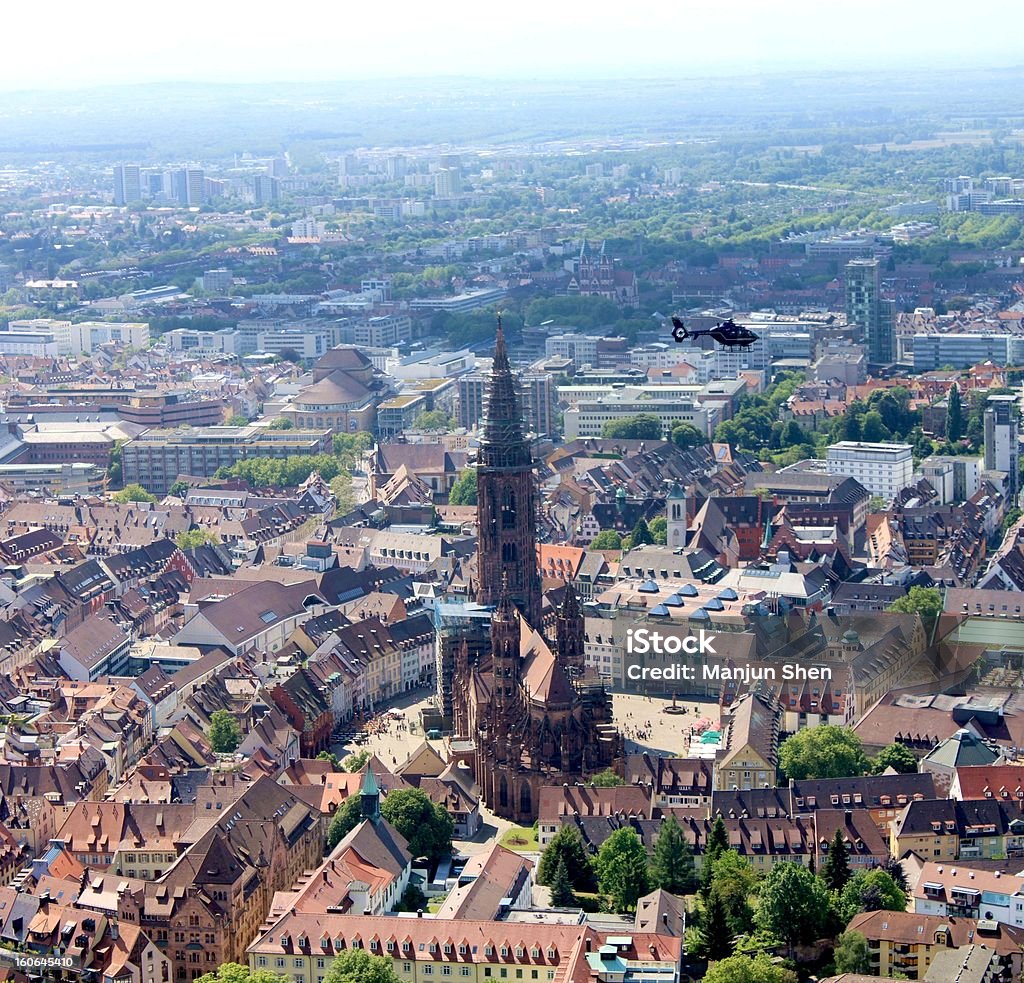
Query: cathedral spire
{"x": 506, "y": 497}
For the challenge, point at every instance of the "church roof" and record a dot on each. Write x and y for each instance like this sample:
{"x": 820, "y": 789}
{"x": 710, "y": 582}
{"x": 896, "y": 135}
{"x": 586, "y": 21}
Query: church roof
{"x": 544, "y": 678}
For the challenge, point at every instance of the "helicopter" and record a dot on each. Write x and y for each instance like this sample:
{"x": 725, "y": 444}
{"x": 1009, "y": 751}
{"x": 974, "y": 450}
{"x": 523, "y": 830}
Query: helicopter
{"x": 728, "y": 333}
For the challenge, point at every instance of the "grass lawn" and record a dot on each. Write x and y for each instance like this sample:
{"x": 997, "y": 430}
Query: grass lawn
{"x": 433, "y": 904}
{"x": 521, "y": 838}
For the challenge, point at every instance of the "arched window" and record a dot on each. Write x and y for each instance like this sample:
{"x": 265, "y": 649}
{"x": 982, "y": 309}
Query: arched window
{"x": 509, "y": 553}
{"x": 508, "y": 509}
{"x": 503, "y": 792}
{"x": 524, "y": 798}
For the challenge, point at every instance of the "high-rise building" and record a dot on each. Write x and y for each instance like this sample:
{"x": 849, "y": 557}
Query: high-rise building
{"x": 265, "y": 189}
{"x": 447, "y": 182}
{"x": 865, "y": 307}
{"x": 127, "y": 184}
{"x": 189, "y": 186}
{"x": 396, "y": 168}
{"x": 1002, "y": 441}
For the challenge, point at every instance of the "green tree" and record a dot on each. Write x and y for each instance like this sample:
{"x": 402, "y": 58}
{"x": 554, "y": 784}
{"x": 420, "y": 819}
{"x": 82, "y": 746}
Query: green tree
{"x": 464, "y": 489}
{"x": 641, "y": 535}
{"x": 871, "y": 890}
{"x": 923, "y": 601}
{"x": 835, "y": 872}
{"x": 642, "y": 426}
{"x": 672, "y": 867}
{"x": 895, "y": 756}
{"x": 895, "y": 870}
{"x": 607, "y": 539}
{"x": 719, "y": 941}
{"x": 360, "y": 966}
{"x": 828, "y": 751}
{"x": 225, "y": 733}
{"x": 734, "y": 880}
{"x": 349, "y": 447}
{"x": 659, "y": 530}
{"x": 954, "y": 414}
{"x": 567, "y": 845}
{"x": 433, "y": 420}
{"x": 345, "y": 819}
{"x": 717, "y": 843}
{"x": 749, "y": 969}
{"x": 561, "y": 888}
{"x": 328, "y": 756}
{"x": 413, "y": 899}
{"x": 792, "y": 435}
{"x": 344, "y": 495}
{"x": 237, "y": 420}
{"x": 179, "y": 490}
{"x": 606, "y": 779}
{"x": 235, "y": 973}
{"x": 793, "y": 904}
{"x": 873, "y": 430}
{"x": 686, "y": 435}
{"x": 192, "y": 539}
{"x": 622, "y": 869}
{"x": 427, "y": 827}
{"x": 852, "y": 954}
{"x": 281, "y": 423}
{"x": 356, "y": 761}
{"x": 133, "y": 493}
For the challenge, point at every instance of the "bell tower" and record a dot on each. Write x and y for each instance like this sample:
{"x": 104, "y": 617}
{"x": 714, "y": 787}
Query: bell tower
{"x": 506, "y": 497}
{"x": 677, "y": 523}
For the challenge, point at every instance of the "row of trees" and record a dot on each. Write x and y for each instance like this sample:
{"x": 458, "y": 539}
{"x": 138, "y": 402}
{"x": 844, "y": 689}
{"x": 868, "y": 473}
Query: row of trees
{"x": 643, "y": 534}
{"x": 647, "y": 426}
{"x": 621, "y": 871}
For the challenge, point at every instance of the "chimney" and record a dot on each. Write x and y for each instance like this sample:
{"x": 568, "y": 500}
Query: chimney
{"x": 419, "y": 912}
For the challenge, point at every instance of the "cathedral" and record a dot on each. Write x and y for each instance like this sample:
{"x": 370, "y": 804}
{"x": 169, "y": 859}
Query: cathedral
{"x": 526, "y": 706}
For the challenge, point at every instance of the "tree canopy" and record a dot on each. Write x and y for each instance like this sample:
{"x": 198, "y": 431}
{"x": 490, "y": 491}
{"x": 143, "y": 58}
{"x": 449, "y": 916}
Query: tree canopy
{"x": 622, "y": 869}
{"x": 428, "y": 827}
{"x": 133, "y": 493}
{"x": 852, "y": 954}
{"x": 828, "y": 751}
{"x": 356, "y": 761}
{"x": 749, "y": 969}
{"x": 464, "y": 489}
{"x": 870, "y": 890}
{"x": 793, "y": 903}
{"x": 672, "y": 867}
{"x": 642, "y": 426}
{"x": 835, "y": 872}
{"x": 225, "y": 732}
{"x": 236, "y": 973}
{"x": 345, "y": 819}
{"x": 607, "y": 539}
{"x": 567, "y": 845}
{"x": 896, "y": 756}
{"x": 924, "y": 601}
{"x": 360, "y": 966}
{"x": 192, "y": 539}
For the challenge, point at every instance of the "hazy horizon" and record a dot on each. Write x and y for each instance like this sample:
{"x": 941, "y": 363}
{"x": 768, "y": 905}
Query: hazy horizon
{"x": 114, "y": 44}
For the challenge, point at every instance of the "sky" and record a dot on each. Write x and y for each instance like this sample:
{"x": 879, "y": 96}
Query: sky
{"x": 87, "y": 43}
